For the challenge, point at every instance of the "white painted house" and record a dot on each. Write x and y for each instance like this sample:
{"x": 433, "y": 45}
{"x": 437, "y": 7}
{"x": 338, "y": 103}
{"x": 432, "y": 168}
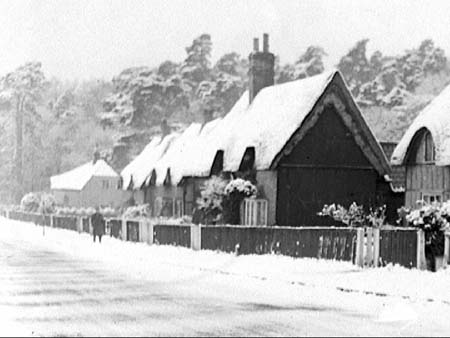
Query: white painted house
{"x": 92, "y": 184}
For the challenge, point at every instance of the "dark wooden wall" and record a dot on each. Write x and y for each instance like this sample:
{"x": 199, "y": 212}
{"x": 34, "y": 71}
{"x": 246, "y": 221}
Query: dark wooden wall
{"x": 327, "y": 166}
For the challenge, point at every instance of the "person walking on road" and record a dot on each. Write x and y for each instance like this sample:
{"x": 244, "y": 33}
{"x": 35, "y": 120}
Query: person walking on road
{"x": 98, "y": 224}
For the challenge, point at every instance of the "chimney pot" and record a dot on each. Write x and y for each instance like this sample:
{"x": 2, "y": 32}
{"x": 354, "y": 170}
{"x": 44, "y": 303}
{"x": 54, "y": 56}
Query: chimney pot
{"x": 261, "y": 69}
{"x": 256, "y": 45}
{"x": 265, "y": 43}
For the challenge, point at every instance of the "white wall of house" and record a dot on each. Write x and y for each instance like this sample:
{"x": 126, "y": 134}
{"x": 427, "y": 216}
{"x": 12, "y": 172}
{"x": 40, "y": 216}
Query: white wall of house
{"x": 103, "y": 191}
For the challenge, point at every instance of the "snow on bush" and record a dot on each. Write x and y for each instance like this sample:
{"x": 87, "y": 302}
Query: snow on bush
{"x": 30, "y": 202}
{"x": 430, "y": 217}
{"x": 72, "y": 211}
{"x": 210, "y": 202}
{"x": 38, "y": 202}
{"x": 433, "y": 219}
{"x": 355, "y": 215}
{"x": 47, "y": 204}
{"x": 235, "y": 192}
{"x": 137, "y": 211}
{"x": 238, "y": 185}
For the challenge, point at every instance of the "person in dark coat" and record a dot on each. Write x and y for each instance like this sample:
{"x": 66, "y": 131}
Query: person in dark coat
{"x": 98, "y": 224}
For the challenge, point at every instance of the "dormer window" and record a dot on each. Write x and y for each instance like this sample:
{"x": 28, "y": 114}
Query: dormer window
{"x": 430, "y": 151}
{"x": 248, "y": 160}
{"x": 422, "y": 149}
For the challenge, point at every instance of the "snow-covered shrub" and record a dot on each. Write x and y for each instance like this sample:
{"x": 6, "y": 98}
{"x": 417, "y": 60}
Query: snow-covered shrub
{"x": 210, "y": 202}
{"x": 47, "y": 204}
{"x": 433, "y": 219}
{"x": 355, "y": 215}
{"x": 430, "y": 217}
{"x": 221, "y": 199}
{"x": 142, "y": 210}
{"x": 235, "y": 192}
{"x": 240, "y": 186}
{"x": 90, "y": 211}
{"x": 108, "y": 212}
{"x": 30, "y": 202}
{"x": 73, "y": 211}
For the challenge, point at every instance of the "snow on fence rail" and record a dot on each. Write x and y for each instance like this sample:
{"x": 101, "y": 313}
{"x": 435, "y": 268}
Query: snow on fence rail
{"x": 362, "y": 246}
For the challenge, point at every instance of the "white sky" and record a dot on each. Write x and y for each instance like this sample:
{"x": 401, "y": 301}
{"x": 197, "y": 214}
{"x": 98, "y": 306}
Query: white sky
{"x": 99, "y": 38}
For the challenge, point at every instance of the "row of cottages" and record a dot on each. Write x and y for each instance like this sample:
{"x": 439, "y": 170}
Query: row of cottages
{"x": 92, "y": 184}
{"x": 425, "y": 152}
{"x": 305, "y": 143}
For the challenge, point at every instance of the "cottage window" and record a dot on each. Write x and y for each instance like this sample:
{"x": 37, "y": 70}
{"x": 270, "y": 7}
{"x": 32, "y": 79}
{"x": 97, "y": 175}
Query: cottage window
{"x": 158, "y": 207}
{"x": 167, "y": 207}
{"x": 178, "y": 208}
{"x": 430, "y": 152}
{"x": 431, "y": 197}
{"x": 105, "y": 184}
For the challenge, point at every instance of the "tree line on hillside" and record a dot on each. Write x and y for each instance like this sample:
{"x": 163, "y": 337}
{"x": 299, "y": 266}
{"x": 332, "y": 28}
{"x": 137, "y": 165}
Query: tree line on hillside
{"x": 48, "y": 126}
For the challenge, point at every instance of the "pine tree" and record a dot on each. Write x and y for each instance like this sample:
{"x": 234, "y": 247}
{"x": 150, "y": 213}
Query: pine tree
{"x": 24, "y": 88}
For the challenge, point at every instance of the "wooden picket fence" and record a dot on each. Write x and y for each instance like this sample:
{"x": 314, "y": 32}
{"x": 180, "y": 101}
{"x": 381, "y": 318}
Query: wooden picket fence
{"x": 365, "y": 247}
{"x": 379, "y": 247}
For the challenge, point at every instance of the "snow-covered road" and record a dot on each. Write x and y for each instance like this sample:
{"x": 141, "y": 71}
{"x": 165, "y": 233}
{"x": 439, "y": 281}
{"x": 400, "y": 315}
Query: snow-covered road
{"x": 63, "y": 284}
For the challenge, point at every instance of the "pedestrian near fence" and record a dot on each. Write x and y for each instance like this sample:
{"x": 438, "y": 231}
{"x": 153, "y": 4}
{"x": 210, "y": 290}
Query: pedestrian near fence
{"x": 98, "y": 224}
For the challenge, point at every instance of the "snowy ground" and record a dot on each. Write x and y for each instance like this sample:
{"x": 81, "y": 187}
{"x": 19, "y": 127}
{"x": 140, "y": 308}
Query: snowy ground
{"x": 63, "y": 284}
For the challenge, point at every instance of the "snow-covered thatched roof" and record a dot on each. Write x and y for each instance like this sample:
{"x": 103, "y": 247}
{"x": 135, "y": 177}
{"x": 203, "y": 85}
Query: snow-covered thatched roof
{"x": 267, "y": 124}
{"x": 435, "y": 118}
{"x": 77, "y": 178}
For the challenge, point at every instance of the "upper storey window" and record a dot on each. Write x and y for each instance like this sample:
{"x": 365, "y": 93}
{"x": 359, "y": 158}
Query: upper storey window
{"x": 429, "y": 151}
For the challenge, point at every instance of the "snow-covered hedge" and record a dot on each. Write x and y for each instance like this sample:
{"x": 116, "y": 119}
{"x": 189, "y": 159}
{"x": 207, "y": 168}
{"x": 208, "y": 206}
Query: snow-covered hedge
{"x": 142, "y": 210}
{"x": 72, "y": 211}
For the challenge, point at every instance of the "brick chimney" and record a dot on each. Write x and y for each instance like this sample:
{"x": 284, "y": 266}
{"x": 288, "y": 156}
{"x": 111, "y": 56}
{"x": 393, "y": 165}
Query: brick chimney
{"x": 261, "y": 67}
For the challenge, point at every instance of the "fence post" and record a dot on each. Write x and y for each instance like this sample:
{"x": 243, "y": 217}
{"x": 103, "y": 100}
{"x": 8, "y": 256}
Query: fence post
{"x": 446, "y": 248}
{"x": 369, "y": 247}
{"x": 124, "y": 229}
{"x": 150, "y": 232}
{"x": 196, "y": 238}
{"x": 80, "y": 224}
{"x": 376, "y": 247}
{"x": 421, "y": 262}
{"x": 360, "y": 247}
